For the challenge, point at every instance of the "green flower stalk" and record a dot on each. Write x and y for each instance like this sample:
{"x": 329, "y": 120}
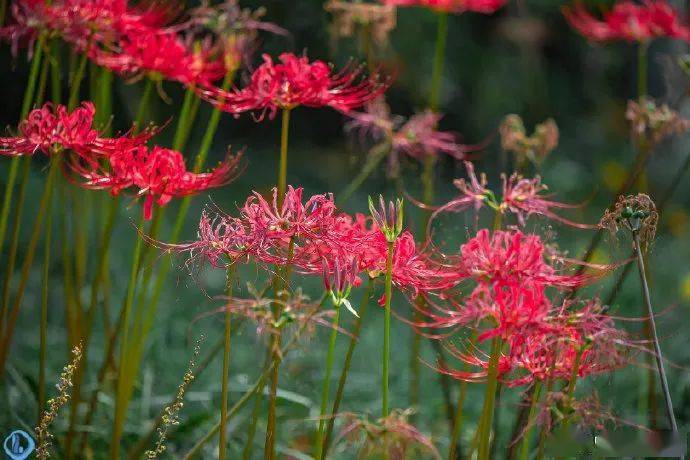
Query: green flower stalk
{"x": 222, "y": 438}
{"x": 282, "y": 166}
{"x": 346, "y": 365}
{"x": 390, "y": 220}
{"x": 194, "y": 451}
{"x": 14, "y": 163}
{"x": 339, "y": 289}
{"x": 486, "y": 421}
{"x": 527, "y": 435}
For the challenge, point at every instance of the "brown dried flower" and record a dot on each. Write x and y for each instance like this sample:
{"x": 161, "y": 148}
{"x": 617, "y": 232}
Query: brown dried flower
{"x": 171, "y": 412}
{"x": 534, "y": 148}
{"x": 296, "y": 310}
{"x": 378, "y": 18}
{"x": 654, "y": 122}
{"x": 637, "y": 213}
{"x": 43, "y": 435}
{"x": 392, "y": 435}
{"x": 586, "y": 413}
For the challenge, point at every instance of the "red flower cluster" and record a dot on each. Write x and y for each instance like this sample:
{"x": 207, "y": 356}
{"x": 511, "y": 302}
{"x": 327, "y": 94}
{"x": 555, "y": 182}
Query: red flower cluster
{"x": 629, "y": 21}
{"x": 453, "y": 6}
{"x": 53, "y": 130}
{"x": 161, "y": 55}
{"x": 80, "y": 22}
{"x": 293, "y": 82}
{"x": 157, "y": 173}
{"x": 522, "y": 197}
{"x": 315, "y": 239}
{"x": 136, "y": 41}
{"x": 511, "y": 277}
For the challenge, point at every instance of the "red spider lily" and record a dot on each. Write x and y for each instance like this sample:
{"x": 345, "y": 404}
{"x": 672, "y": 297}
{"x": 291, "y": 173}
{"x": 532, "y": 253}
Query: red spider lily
{"x": 513, "y": 307}
{"x": 158, "y": 173}
{"x": 417, "y": 137}
{"x": 628, "y": 21}
{"x": 53, "y": 129}
{"x": 554, "y": 344}
{"x": 521, "y": 196}
{"x": 123, "y": 39}
{"x": 280, "y": 233}
{"x": 79, "y": 22}
{"x": 234, "y": 28}
{"x": 293, "y": 82}
{"x": 511, "y": 255}
{"x": 413, "y": 270}
{"x": 584, "y": 342}
{"x": 302, "y": 234}
{"x": 310, "y": 236}
{"x": 473, "y": 194}
{"x": 453, "y": 6}
{"x": 316, "y": 240}
{"x": 161, "y": 55}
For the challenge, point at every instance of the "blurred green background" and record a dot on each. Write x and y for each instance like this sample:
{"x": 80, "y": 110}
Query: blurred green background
{"x": 526, "y": 60}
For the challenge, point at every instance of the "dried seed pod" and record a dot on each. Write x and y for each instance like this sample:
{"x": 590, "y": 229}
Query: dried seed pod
{"x": 653, "y": 122}
{"x": 637, "y": 213}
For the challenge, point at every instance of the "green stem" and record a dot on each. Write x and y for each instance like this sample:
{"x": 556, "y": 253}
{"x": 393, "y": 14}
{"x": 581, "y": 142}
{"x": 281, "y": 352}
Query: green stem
{"x": 259, "y": 384}
{"x": 543, "y": 433}
{"x": 85, "y": 338}
{"x": 193, "y": 111}
{"x": 145, "y": 314}
{"x": 107, "y": 363}
{"x": 376, "y": 155}
{"x": 76, "y": 83}
{"x": 654, "y": 336}
{"x": 387, "y": 329}
{"x": 368, "y": 45}
{"x": 120, "y": 403}
{"x": 526, "y": 437}
{"x": 637, "y": 173}
{"x": 14, "y": 243}
{"x": 346, "y": 365}
{"x": 44, "y": 317}
{"x": 489, "y": 399}
{"x": 281, "y": 285}
{"x": 211, "y": 128}
{"x": 137, "y": 451}
{"x": 71, "y": 307}
{"x": 222, "y": 439}
{"x": 183, "y": 119}
{"x": 3, "y": 12}
{"x": 439, "y": 60}
{"x": 642, "y": 60}
{"x": 326, "y": 385}
{"x": 282, "y": 168}
{"x": 43, "y": 208}
{"x": 457, "y": 422}
{"x": 105, "y": 98}
{"x": 269, "y": 446}
{"x": 14, "y": 163}
{"x": 255, "y": 415}
{"x": 143, "y": 104}
{"x": 55, "y": 85}
{"x": 231, "y": 413}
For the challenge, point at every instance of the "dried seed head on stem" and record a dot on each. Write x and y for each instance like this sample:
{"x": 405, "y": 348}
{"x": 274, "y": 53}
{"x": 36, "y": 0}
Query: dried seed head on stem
{"x": 43, "y": 435}
{"x": 171, "y": 416}
{"x": 636, "y": 213}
